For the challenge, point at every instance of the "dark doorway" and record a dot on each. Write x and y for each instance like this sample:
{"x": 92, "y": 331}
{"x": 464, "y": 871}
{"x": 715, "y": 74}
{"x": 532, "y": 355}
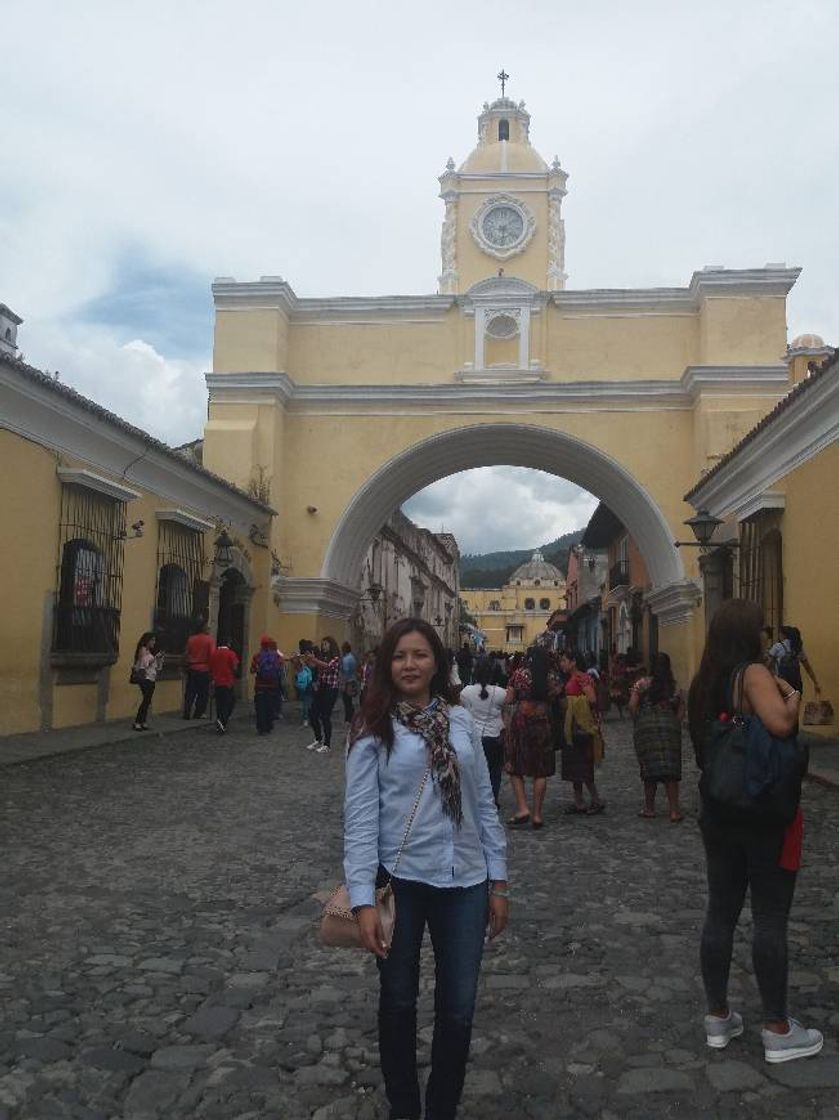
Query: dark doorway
{"x": 232, "y": 602}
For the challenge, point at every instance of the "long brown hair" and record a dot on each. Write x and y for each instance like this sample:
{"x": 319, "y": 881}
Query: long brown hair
{"x": 733, "y": 640}
{"x": 381, "y": 697}
{"x": 663, "y": 683}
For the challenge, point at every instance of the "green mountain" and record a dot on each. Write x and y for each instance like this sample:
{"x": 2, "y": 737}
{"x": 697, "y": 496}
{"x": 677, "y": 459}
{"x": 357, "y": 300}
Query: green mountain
{"x": 493, "y": 569}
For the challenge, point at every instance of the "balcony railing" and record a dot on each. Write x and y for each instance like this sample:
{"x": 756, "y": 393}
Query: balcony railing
{"x": 619, "y": 574}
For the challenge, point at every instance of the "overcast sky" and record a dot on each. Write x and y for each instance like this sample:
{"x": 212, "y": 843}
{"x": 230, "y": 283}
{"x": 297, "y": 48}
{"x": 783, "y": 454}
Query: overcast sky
{"x": 148, "y": 148}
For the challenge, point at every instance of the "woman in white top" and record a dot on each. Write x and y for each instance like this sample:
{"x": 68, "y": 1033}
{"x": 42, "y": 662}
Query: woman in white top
{"x": 486, "y": 703}
{"x": 147, "y": 664}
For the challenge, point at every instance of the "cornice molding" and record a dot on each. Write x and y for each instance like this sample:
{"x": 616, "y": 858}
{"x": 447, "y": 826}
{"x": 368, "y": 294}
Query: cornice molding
{"x": 770, "y": 499}
{"x": 674, "y": 603}
{"x": 76, "y": 476}
{"x": 273, "y": 293}
{"x": 705, "y": 284}
{"x": 188, "y": 520}
{"x": 61, "y": 424}
{"x": 298, "y": 595}
{"x": 803, "y": 428}
{"x": 503, "y": 387}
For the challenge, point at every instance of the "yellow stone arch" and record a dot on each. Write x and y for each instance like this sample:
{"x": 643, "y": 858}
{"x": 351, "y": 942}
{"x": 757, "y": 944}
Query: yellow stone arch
{"x": 342, "y": 407}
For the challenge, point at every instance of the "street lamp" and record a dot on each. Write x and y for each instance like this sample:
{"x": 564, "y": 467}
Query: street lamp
{"x": 224, "y": 549}
{"x": 703, "y": 525}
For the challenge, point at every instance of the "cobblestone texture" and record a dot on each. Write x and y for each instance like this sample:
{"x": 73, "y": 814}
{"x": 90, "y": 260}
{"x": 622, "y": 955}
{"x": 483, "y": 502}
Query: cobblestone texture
{"x": 159, "y": 956}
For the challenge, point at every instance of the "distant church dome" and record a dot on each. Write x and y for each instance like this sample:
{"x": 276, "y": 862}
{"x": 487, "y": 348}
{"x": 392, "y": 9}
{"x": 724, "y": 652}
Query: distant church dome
{"x": 537, "y": 568}
{"x": 503, "y": 141}
{"x": 807, "y": 342}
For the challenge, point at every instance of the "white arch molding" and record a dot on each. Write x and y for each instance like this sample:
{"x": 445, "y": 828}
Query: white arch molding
{"x": 672, "y": 597}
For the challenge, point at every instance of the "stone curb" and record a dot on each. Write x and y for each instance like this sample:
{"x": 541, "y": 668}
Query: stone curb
{"x": 829, "y": 779}
{"x": 122, "y": 734}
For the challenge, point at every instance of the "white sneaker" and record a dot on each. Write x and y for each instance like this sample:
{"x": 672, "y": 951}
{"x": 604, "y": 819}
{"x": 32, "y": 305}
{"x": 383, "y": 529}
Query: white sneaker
{"x": 322, "y": 749}
{"x": 314, "y": 746}
{"x": 798, "y": 1042}
{"x": 719, "y": 1032}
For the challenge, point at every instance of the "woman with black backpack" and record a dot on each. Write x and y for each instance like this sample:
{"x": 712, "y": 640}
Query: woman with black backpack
{"x": 746, "y": 847}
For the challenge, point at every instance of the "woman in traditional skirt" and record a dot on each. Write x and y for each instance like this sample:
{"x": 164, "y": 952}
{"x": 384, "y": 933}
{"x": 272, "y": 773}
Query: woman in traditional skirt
{"x": 529, "y": 751}
{"x": 657, "y": 706}
{"x": 618, "y": 682}
{"x": 582, "y": 741}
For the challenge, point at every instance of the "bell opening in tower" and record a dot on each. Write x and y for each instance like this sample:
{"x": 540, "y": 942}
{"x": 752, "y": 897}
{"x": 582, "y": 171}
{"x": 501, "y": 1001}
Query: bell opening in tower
{"x": 503, "y": 130}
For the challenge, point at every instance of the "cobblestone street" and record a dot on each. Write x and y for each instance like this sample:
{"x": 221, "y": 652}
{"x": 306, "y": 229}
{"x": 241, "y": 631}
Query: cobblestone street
{"x": 159, "y": 955}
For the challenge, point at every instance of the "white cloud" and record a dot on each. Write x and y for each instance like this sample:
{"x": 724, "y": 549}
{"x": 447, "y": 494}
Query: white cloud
{"x": 306, "y": 141}
{"x": 165, "y": 397}
{"x": 492, "y": 508}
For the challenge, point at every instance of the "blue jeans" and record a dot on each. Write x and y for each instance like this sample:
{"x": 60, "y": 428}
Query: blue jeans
{"x": 456, "y": 919}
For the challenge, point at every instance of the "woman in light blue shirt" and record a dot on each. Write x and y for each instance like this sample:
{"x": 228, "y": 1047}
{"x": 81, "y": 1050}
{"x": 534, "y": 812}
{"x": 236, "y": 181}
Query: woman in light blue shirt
{"x": 452, "y": 874}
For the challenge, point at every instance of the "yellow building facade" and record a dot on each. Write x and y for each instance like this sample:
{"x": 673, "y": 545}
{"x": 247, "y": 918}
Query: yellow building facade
{"x": 512, "y": 617}
{"x": 347, "y": 405}
{"x": 111, "y": 534}
{"x": 777, "y": 493}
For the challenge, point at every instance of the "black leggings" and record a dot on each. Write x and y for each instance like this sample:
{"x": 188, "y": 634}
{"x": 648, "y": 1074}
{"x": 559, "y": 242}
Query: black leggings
{"x": 739, "y": 857}
{"x": 320, "y": 714}
{"x": 147, "y": 689}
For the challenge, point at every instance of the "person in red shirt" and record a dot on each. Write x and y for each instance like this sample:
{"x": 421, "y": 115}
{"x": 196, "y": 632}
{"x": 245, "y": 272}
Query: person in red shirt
{"x": 199, "y": 647}
{"x": 223, "y": 665}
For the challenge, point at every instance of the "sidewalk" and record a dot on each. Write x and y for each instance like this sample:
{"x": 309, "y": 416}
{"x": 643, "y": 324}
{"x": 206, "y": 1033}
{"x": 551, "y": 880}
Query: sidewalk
{"x": 824, "y": 760}
{"x": 40, "y": 744}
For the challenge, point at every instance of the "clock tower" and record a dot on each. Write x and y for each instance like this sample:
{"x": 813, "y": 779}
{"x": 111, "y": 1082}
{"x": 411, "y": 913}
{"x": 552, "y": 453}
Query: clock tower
{"x": 503, "y": 207}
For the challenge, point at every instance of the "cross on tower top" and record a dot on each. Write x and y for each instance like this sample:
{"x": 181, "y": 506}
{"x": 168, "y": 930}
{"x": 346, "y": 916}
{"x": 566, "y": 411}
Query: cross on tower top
{"x": 503, "y": 78}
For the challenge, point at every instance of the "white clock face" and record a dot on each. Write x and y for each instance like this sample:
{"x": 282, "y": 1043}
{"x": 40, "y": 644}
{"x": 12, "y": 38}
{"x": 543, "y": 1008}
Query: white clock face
{"x": 503, "y": 226}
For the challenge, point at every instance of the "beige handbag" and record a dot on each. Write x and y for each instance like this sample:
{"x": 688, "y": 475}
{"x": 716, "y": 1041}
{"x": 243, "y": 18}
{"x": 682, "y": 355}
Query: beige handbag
{"x": 818, "y": 713}
{"x": 339, "y": 928}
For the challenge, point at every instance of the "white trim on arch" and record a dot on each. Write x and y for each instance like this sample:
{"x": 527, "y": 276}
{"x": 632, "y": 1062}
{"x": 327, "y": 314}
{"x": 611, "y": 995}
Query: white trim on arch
{"x": 515, "y": 445}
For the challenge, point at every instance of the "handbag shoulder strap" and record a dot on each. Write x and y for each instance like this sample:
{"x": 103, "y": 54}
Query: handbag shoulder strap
{"x": 411, "y": 817}
{"x": 736, "y": 687}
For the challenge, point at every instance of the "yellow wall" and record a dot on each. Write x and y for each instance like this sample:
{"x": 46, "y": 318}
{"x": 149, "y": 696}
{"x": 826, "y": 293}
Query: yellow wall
{"x": 30, "y": 516}
{"x": 574, "y": 346}
{"x": 513, "y": 612}
{"x": 32, "y": 692}
{"x": 250, "y": 341}
{"x": 809, "y": 560}
{"x": 742, "y": 330}
{"x": 373, "y": 353}
{"x": 601, "y": 347}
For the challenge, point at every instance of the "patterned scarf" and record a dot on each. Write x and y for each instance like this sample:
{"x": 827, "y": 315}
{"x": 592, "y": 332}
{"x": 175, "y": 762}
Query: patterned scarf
{"x": 432, "y": 723}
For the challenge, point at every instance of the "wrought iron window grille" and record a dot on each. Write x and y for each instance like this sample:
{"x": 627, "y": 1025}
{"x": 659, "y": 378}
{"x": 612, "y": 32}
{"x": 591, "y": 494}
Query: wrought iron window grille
{"x": 89, "y": 576}
{"x": 181, "y": 595}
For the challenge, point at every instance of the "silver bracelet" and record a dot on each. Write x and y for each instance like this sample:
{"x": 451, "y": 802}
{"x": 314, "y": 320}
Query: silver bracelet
{"x": 500, "y": 894}
{"x": 791, "y": 693}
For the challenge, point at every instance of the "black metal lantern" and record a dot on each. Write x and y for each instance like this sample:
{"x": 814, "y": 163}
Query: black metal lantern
{"x": 703, "y": 525}
{"x": 224, "y": 549}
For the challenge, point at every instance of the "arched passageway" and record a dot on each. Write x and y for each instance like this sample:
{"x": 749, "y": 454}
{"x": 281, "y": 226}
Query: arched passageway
{"x": 672, "y": 596}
